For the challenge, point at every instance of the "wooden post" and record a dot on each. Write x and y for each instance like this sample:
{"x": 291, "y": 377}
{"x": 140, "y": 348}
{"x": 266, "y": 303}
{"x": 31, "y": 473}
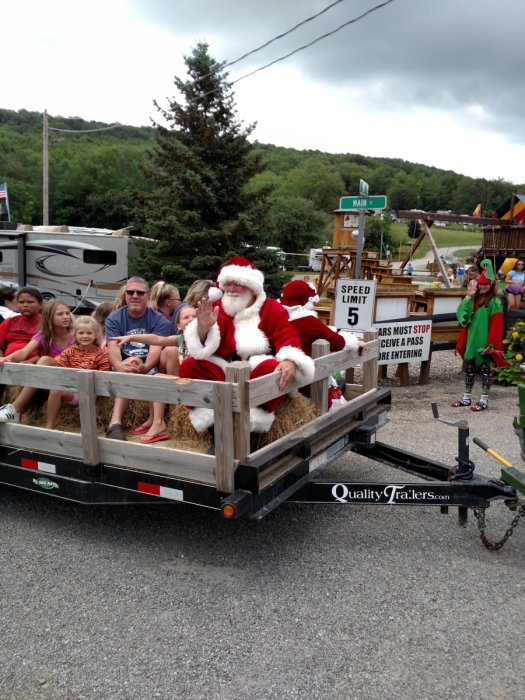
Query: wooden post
{"x": 224, "y": 470}
{"x": 403, "y": 374}
{"x": 319, "y": 390}
{"x": 88, "y": 416}
{"x": 370, "y": 366}
{"x": 239, "y": 373}
{"x": 439, "y": 262}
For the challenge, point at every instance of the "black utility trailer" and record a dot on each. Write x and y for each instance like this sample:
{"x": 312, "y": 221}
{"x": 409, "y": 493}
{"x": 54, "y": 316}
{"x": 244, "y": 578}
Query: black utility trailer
{"x": 87, "y": 468}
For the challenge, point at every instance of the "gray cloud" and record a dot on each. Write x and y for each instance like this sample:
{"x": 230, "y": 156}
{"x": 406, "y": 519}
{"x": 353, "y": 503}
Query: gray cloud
{"x": 466, "y": 57}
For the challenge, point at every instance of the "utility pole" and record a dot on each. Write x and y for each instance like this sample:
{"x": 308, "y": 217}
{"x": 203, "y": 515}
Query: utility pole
{"x": 45, "y": 173}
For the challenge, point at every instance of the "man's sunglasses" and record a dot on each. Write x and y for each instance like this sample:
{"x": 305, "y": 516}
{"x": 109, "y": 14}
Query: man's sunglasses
{"x": 135, "y": 292}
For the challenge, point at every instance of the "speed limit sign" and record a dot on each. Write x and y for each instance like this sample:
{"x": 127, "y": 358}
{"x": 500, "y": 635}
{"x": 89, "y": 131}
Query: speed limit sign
{"x": 354, "y": 304}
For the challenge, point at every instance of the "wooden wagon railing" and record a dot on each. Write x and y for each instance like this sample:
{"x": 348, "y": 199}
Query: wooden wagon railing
{"x": 231, "y": 401}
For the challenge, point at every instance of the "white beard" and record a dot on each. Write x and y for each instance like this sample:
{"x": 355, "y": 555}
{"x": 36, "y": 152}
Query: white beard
{"x": 233, "y": 303}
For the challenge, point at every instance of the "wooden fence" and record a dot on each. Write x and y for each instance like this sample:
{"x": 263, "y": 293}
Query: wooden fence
{"x": 231, "y": 401}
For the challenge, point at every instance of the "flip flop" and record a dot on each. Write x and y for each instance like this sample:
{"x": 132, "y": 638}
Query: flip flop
{"x": 148, "y": 439}
{"x": 141, "y": 429}
{"x": 116, "y": 432}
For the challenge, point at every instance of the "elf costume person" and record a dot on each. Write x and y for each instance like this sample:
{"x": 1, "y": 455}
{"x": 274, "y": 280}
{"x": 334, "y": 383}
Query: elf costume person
{"x": 244, "y": 325}
{"x": 480, "y": 341}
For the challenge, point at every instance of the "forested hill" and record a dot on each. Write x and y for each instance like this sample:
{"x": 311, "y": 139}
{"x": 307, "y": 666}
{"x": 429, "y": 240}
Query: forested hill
{"x": 94, "y": 176}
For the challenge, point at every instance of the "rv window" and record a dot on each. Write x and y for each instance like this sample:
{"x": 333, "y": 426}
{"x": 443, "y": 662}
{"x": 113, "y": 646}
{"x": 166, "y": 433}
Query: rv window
{"x": 100, "y": 257}
{"x": 1, "y": 257}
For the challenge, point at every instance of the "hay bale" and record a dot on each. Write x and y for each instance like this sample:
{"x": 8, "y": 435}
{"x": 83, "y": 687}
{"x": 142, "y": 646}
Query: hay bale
{"x": 185, "y": 437}
{"x": 68, "y": 417}
{"x": 291, "y": 415}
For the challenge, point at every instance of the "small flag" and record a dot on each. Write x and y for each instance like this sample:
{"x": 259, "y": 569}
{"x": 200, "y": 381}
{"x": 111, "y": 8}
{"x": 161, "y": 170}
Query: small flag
{"x": 4, "y": 201}
{"x": 477, "y": 210}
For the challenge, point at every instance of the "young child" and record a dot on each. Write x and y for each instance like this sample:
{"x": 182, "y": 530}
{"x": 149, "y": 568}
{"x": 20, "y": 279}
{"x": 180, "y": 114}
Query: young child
{"x": 515, "y": 280}
{"x": 84, "y": 353}
{"x": 155, "y": 429}
{"x": 481, "y": 315}
{"x": 56, "y": 335}
{"x": 17, "y": 331}
{"x": 164, "y": 298}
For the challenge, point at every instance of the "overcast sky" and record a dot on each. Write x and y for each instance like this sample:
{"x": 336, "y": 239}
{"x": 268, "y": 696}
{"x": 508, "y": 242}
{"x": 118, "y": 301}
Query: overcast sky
{"x": 438, "y": 82}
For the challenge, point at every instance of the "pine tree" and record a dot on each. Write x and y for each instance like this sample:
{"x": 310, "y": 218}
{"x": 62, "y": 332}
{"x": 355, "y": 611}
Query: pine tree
{"x": 200, "y": 212}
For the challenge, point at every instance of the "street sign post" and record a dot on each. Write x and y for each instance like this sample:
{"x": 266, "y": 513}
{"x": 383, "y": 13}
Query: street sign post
{"x": 352, "y": 203}
{"x": 361, "y": 204}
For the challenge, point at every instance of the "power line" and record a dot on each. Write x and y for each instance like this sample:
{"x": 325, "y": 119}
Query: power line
{"x": 300, "y": 48}
{"x": 281, "y": 36}
{"x": 84, "y": 131}
{"x": 311, "y": 43}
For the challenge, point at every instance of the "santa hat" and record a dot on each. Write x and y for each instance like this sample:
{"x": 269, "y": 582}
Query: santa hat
{"x": 297, "y": 293}
{"x": 242, "y": 272}
{"x": 487, "y": 275}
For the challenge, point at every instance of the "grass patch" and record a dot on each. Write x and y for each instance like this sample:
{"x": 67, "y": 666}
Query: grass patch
{"x": 457, "y": 240}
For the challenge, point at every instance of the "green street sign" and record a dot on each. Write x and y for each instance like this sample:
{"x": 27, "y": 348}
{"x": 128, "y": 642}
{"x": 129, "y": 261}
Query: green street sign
{"x": 378, "y": 202}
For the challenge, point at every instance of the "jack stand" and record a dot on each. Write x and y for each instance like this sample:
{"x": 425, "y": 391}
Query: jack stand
{"x": 465, "y": 468}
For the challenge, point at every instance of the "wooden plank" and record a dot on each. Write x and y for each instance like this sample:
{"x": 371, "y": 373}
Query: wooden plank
{"x": 223, "y": 427}
{"x": 54, "y": 442}
{"x": 265, "y": 388}
{"x": 370, "y": 366}
{"x": 319, "y": 389}
{"x": 19, "y": 374}
{"x": 186, "y": 392}
{"x": 323, "y": 425}
{"x": 88, "y": 416}
{"x": 239, "y": 373}
{"x": 451, "y": 218}
{"x": 155, "y": 459}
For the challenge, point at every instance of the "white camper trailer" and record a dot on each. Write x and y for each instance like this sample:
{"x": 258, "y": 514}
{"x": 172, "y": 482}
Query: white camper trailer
{"x": 80, "y": 266}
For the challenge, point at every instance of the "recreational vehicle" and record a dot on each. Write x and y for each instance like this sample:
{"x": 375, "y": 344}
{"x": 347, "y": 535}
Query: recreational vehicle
{"x": 80, "y": 266}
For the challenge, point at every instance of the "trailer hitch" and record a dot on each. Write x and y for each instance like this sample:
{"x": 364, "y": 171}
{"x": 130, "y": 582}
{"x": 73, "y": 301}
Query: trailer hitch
{"x": 465, "y": 466}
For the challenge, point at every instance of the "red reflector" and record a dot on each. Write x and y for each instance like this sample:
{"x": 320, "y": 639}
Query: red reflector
{"x": 29, "y": 463}
{"x": 148, "y": 488}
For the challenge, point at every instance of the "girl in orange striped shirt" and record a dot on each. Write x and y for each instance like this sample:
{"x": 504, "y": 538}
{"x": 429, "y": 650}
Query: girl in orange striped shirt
{"x": 84, "y": 353}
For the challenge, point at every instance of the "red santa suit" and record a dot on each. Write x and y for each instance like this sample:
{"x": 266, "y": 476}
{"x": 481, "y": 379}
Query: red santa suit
{"x": 260, "y": 333}
{"x": 298, "y": 298}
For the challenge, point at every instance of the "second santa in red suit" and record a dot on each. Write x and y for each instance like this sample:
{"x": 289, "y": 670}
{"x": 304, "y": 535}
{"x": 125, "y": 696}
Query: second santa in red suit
{"x": 244, "y": 325}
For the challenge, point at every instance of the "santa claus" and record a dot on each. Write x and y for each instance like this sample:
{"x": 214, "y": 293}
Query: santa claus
{"x": 244, "y": 325}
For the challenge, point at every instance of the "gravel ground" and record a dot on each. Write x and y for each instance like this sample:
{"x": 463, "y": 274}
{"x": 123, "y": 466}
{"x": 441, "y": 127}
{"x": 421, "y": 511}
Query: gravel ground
{"x": 312, "y": 602}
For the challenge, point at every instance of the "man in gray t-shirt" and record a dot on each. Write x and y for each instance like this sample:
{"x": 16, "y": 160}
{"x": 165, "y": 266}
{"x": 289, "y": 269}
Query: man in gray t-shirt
{"x": 134, "y": 358}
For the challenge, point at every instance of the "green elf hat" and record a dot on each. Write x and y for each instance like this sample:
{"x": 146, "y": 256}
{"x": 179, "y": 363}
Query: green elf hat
{"x": 487, "y": 274}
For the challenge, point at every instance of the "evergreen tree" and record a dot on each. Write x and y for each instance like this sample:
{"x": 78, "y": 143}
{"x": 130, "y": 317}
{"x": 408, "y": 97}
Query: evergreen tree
{"x": 200, "y": 211}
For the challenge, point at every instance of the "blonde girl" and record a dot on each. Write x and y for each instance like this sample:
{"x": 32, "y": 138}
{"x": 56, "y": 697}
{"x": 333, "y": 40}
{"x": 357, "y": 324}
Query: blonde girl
{"x": 164, "y": 298}
{"x": 84, "y": 353}
{"x": 56, "y": 335}
{"x": 100, "y": 315}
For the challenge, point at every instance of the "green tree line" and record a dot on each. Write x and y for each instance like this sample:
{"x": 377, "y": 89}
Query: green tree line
{"x": 103, "y": 179}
